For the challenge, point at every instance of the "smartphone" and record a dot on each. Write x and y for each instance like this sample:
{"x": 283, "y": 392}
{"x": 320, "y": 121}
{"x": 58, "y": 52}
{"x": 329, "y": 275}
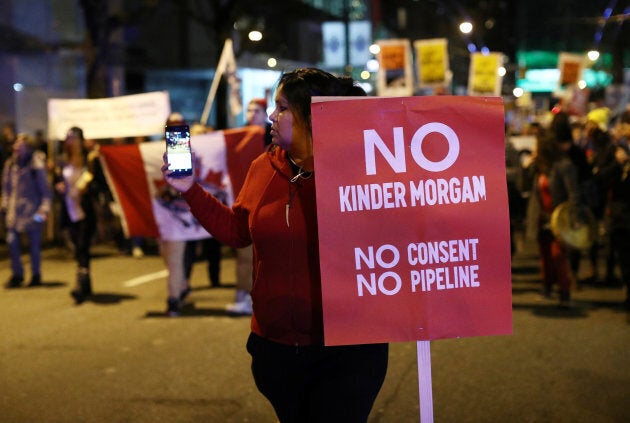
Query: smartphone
{"x": 178, "y": 151}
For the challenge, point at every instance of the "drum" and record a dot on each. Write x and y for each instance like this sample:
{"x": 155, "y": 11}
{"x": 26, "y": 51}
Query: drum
{"x": 573, "y": 225}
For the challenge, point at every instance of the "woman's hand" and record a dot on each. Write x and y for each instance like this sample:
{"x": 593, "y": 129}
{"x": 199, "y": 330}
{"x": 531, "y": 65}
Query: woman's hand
{"x": 182, "y": 183}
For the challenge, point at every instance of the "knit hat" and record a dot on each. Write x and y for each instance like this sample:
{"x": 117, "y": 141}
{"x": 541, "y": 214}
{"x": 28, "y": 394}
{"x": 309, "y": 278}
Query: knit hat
{"x": 601, "y": 116}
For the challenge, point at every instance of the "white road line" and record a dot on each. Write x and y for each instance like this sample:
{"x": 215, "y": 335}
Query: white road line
{"x": 146, "y": 278}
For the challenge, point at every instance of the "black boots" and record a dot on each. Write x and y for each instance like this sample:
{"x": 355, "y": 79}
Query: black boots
{"x": 83, "y": 290}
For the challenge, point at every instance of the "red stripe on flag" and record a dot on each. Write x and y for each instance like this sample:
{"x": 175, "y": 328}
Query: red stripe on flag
{"x": 126, "y": 169}
{"x": 242, "y": 145}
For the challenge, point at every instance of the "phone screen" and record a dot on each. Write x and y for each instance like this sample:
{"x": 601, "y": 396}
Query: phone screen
{"x": 178, "y": 150}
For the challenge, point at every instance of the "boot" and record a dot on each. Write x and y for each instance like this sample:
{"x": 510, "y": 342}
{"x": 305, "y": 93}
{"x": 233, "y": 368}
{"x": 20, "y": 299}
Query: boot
{"x": 84, "y": 286}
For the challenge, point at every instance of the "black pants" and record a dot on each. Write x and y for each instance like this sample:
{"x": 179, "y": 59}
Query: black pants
{"x": 316, "y": 383}
{"x": 211, "y": 251}
{"x": 620, "y": 240}
{"x": 81, "y": 233}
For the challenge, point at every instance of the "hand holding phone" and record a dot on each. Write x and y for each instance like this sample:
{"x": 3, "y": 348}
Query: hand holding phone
{"x": 178, "y": 150}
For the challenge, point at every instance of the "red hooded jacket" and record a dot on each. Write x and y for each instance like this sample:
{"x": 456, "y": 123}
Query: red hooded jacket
{"x": 275, "y": 211}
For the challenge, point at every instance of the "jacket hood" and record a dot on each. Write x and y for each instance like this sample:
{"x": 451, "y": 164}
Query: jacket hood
{"x": 278, "y": 159}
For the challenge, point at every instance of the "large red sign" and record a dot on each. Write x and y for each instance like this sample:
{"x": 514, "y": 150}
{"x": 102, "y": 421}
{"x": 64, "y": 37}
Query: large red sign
{"x": 413, "y": 218}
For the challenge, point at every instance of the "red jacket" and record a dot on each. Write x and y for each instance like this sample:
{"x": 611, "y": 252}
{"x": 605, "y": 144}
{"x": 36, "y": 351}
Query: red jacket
{"x": 276, "y": 214}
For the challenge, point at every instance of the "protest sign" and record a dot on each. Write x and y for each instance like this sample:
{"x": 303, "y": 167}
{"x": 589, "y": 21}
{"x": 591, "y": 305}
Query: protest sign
{"x": 395, "y": 72}
{"x": 483, "y": 75}
{"x": 571, "y": 67}
{"x": 432, "y": 62}
{"x": 413, "y": 218}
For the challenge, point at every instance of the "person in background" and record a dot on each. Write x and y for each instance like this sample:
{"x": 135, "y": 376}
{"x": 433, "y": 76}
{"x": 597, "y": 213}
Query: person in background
{"x": 275, "y": 210}
{"x": 555, "y": 182}
{"x": 7, "y": 138}
{"x": 256, "y": 115}
{"x": 562, "y": 130}
{"x": 73, "y": 180}
{"x": 26, "y": 201}
{"x": 619, "y": 215}
{"x": 210, "y": 247}
{"x": 173, "y": 250}
{"x": 621, "y": 129}
{"x": 137, "y": 241}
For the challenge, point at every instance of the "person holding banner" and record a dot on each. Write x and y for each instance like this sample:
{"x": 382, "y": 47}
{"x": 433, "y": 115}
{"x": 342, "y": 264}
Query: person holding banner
{"x": 73, "y": 180}
{"x": 275, "y": 210}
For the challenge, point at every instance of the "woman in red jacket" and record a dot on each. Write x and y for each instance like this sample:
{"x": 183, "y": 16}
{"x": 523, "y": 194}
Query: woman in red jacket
{"x": 275, "y": 211}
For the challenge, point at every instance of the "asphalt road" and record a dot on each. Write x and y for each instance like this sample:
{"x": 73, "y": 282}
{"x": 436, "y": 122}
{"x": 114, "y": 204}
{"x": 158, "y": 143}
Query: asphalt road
{"x": 118, "y": 359}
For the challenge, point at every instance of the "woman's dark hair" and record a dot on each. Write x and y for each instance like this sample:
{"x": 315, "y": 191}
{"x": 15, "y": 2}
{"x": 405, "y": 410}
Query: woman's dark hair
{"x": 300, "y": 85}
{"x": 547, "y": 151}
{"x": 78, "y": 132}
{"x": 561, "y": 127}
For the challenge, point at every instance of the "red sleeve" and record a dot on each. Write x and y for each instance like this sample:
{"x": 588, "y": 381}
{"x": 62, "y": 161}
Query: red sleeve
{"x": 229, "y": 226}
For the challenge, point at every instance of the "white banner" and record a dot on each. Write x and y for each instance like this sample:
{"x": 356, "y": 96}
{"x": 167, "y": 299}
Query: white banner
{"x": 114, "y": 117}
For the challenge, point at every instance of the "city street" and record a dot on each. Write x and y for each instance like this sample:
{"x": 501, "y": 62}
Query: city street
{"x": 117, "y": 358}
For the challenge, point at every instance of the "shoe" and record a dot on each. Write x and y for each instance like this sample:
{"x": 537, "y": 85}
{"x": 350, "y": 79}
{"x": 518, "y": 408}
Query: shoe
{"x": 83, "y": 289}
{"x": 137, "y": 252}
{"x": 36, "y": 280}
{"x": 14, "y": 282}
{"x": 77, "y": 295}
{"x": 565, "y": 299}
{"x": 241, "y": 308}
{"x": 173, "y": 307}
{"x": 185, "y": 293}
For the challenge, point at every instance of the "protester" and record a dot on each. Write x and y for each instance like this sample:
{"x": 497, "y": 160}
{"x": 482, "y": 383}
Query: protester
{"x": 73, "y": 180}
{"x": 173, "y": 250}
{"x": 619, "y": 211}
{"x": 256, "y": 115}
{"x": 555, "y": 182}
{"x": 26, "y": 201}
{"x": 275, "y": 210}
{"x": 604, "y": 164}
{"x": 7, "y": 138}
{"x": 210, "y": 246}
{"x": 563, "y": 131}
{"x": 622, "y": 130}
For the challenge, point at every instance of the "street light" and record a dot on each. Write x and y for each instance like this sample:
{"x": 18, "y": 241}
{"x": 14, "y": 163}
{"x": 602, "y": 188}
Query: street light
{"x": 255, "y": 35}
{"x": 593, "y": 55}
{"x": 466, "y": 27}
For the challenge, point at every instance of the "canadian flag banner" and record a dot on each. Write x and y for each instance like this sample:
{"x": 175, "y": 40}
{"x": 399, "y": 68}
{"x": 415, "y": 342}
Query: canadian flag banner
{"x": 413, "y": 220}
{"x": 150, "y": 208}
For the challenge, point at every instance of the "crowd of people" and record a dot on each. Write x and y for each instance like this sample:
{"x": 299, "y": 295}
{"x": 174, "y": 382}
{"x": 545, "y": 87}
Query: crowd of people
{"x": 579, "y": 165}
{"x": 578, "y": 169}
{"x": 32, "y": 183}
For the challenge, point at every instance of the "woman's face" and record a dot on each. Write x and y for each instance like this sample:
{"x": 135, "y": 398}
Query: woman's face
{"x": 288, "y": 131}
{"x": 72, "y": 143}
{"x": 20, "y": 146}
